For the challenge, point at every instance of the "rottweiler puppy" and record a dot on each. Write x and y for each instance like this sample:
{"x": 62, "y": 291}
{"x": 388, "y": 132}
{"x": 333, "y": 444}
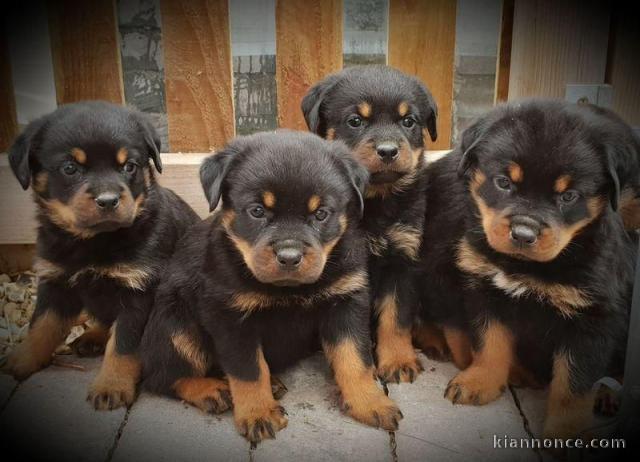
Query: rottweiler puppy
{"x": 278, "y": 273}
{"x": 106, "y": 229}
{"x": 526, "y": 255}
{"x": 385, "y": 117}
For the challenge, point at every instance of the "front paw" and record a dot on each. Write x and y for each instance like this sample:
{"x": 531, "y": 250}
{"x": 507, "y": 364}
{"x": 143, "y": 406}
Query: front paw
{"x": 260, "y": 424}
{"x": 110, "y": 392}
{"x": 398, "y": 370}
{"x": 475, "y": 386}
{"x": 377, "y": 411}
{"x": 89, "y": 345}
{"x": 22, "y": 363}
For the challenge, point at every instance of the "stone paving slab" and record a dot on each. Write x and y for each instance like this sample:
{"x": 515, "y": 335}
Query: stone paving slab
{"x": 7, "y": 385}
{"x": 48, "y": 416}
{"x": 435, "y": 429}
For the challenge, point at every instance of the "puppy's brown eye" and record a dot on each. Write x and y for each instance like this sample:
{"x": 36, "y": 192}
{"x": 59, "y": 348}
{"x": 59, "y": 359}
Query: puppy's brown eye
{"x": 69, "y": 169}
{"x": 130, "y": 167}
{"x": 321, "y": 214}
{"x": 503, "y": 183}
{"x": 569, "y": 196}
{"x": 354, "y": 121}
{"x": 408, "y": 122}
{"x": 256, "y": 211}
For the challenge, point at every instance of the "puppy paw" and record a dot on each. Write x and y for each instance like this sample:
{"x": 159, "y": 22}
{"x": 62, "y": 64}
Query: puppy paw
{"x": 377, "y": 411}
{"x": 110, "y": 392}
{"x": 22, "y": 363}
{"x": 260, "y": 424}
{"x": 607, "y": 402}
{"x": 278, "y": 389}
{"x": 400, "y": 370}
{"x": 474, "y": 386}
{"x": 89, "y": 344}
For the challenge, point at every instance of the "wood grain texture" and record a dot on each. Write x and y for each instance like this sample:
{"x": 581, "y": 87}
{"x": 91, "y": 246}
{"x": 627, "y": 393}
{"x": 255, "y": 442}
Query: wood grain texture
{"x": 8, "y": 121}
{"x": 623, "y": 67}
{"x": 85, "y": 50}
{"x": 308, "y": 48}
{"x": 422, "y": 37}
{"x": 198, "y": 76}
{"x": 557, "y": 42}
{"x": 503, "y": 63}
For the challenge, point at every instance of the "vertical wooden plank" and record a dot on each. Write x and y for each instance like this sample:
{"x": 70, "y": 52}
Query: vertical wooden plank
{"x": 198, "y": 74}
{"x": 422, "y": 37}
{"x": 556, "y": 42}
{"x": 85, "y": 51}
{"x": 308, "y": 47}
{"x": 623, "y": 66}
{"x": 503, "y": 64}
{"x": 8, "y": 120}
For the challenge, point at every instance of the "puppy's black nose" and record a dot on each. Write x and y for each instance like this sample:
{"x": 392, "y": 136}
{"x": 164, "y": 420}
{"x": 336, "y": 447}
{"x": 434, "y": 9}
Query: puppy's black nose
{"x": 288, "y": 253}
{"x": 524, "y": 230}
{"x": 388, "y": 152}
{"x": 108, "y": 201}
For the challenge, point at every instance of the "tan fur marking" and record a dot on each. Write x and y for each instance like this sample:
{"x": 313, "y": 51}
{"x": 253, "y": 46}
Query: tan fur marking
{"x": 313, "y": 203}
{"x": 487, "y": 376}
{"x": 405, "y": 238}
{"x": 377, "y": 244}
{"x": 430, "y": 339}
{"x": 396, "y": 357}
{"x": 93, "y": 341}
{"x": 269, "y": 199}
{"x": 131, "y": 276}
{"x": 46, "y": 269}
{"x": 253, "y": 402}
{"x": 364, "y": 109}
{"x": 115, "y": 384}
{"x": 206, "y": 393}
{"x": 459, "y": 344}
{"x": 630, "y": 209}
{"x": 35, "y": 351}
{"x": 40, "y": 182}
{"x": 189, "y": 349}
{"x": 567, "y": 413}
{"x": 403, "y": 108}
{"x": 568, "y": 300}
{"x": 122, "y": 155}
{"x": 516, "y": 173}
{"x": 331, "y": 134}
{"x": 79, "y": 155}
{"x": 361, "y": 397}
{"x": 562, "y": 184}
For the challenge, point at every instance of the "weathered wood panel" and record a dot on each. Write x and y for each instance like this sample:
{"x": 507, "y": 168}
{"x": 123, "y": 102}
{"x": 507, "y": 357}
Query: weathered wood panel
{"x": 198, "y": 75}
{"x": 422, "y": 37}
{"x": 503, "y": 65}
{"x": 8, "y": 121}
{"x": 84, "y": 47}
{"x": 556, "y": 42}
{"x": 308, "y": 47}
{"x": 623, "y": 69}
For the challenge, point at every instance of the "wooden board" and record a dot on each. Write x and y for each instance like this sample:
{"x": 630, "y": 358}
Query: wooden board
{"x": 308, "y": 47}
{"x": 8, "y": 121}
{"x": 503, "y": 63}
{"x": 198, "y": 77}
{"x": 85, "y": 51}
{"x": 556, "y": 43}
{"x": 422, "y": 37}
{"x": 623, "y": 67}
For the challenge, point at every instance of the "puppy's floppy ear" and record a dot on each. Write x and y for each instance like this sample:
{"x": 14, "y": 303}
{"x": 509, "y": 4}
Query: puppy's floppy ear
{"x": 470, "y": 139}
{"x": 428, "y": 109}
{"x": 21, "y": 152}
{"x": 312, "y": 102}
{"x": 358, "y": 174}
{"x": 213, "y": 171}
{"x": 151, "y": 138}
{"x": 612, "y": 170}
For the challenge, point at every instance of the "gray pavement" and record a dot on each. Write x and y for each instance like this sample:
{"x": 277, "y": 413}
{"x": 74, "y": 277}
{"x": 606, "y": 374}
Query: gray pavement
{"x": 49, "y": 411}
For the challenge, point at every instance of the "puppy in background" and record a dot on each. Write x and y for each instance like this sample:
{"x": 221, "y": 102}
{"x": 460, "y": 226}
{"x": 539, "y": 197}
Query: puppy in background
{"x": 276, "y": 275}
{"x": 526, "y": 254}
{"x": 386, "y": 117}
{"x": 106, "y": 229}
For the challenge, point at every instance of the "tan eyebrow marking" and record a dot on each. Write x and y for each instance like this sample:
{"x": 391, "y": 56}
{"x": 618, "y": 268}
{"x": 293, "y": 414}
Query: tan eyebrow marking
{"x": 121, "y": 155}
{"x": 79, "y": 155}
{"x": 515, "y": 172}
{"x": 269, "y": 199}
{"x": 562, "y": 183}
{"x": 331, "y": 134}
{"x": 364, "y": 109}
{"x": 314, "y": 203}
{"x": 403, "y": 108}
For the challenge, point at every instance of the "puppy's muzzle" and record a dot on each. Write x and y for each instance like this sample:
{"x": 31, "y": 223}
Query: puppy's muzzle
{"x": 107, "y": 201}
{"x": 524, "y": 230}
{"x": 289, "y": 254}
{"x": 388, "y": 152}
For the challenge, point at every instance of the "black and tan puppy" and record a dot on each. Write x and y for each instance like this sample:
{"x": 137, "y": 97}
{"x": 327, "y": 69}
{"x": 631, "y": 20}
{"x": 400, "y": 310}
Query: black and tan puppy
{"x": 277, "y": 274}
{"x": 106, "y": 229}
{"x": 385, "y": 117}
{"x": 525, "y": 252}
